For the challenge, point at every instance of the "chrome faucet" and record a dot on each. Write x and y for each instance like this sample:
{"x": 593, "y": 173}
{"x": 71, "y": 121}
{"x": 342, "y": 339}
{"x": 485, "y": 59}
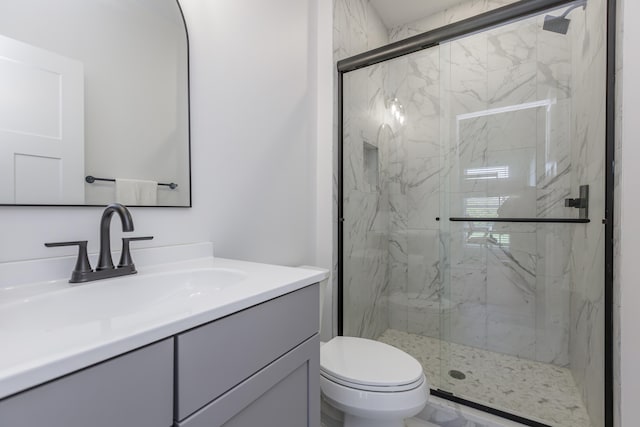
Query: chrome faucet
{"x": 82, "y": 271}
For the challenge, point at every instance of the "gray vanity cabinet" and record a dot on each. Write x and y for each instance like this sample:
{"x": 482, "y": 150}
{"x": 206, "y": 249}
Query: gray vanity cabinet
{"x": 135, "y": 389}
{"x": 256, "y": 367}
{"x": 284, "y": 394}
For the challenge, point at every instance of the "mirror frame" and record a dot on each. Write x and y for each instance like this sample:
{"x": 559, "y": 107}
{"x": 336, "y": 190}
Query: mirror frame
{"x": 190, "y": 205}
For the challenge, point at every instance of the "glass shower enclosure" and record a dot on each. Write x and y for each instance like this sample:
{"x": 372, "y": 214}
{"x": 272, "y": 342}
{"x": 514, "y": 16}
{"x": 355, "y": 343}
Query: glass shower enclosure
{"x": 473, "y": 192}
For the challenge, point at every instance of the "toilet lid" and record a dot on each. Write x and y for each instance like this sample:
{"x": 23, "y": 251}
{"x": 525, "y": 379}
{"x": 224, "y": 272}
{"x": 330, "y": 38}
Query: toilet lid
{"x": 368, "y": 363}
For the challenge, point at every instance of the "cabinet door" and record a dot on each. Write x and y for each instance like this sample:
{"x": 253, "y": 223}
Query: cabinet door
{"x": 214, "y": 358}
{"x": 284, "y": 394}
{"x": 135, "y": 390}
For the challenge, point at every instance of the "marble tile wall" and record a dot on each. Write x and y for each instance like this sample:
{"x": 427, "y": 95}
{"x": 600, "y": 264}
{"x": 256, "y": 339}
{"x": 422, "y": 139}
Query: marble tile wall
{"x": 415, "y": 269}
{"x": 504, "y": 287}
{"x": 464, "y": 10}
{"x": 505, "y": 61}
{"x": 586, "y": 347}
{"x": 533, "y": 291}
{"x": 357, "y": 28}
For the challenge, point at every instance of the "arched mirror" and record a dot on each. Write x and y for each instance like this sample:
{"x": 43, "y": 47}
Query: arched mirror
{"x": 95, "y": 103}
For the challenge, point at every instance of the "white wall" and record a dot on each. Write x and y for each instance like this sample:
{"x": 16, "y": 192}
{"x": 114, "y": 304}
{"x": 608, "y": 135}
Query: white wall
{"x": 324, "y": 128}
{"x": 253, "y": 99}
{"x": 630, "y": 226}
{"x": 254, "y": 94}
{"x": 325, "y": 221}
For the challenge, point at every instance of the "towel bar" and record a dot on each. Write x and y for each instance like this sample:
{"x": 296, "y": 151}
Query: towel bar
{"x": 91, "y": 179}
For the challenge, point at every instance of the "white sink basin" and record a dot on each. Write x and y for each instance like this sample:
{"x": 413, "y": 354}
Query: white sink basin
{"x": 204, "y": 279}
{"x": 113, "y": 299}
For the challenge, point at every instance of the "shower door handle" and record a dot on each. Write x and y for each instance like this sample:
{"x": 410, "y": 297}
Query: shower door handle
{"x": 581, "y": 203}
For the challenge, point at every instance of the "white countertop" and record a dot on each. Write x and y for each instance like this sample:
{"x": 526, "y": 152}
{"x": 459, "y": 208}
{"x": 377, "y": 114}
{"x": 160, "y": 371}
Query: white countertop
{"x": 49, "y": 328}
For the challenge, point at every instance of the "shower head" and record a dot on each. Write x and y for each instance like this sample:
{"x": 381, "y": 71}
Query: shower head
{"x": 560, "y": 24}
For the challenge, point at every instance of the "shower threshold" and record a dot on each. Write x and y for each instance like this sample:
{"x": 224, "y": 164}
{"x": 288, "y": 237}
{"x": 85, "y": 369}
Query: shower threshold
{"x": 538, "y": 391}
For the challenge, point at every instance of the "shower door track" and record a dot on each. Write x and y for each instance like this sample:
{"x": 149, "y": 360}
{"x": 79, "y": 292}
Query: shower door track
{"x": 484, "y": 21}
{"x": 443, "y": 394}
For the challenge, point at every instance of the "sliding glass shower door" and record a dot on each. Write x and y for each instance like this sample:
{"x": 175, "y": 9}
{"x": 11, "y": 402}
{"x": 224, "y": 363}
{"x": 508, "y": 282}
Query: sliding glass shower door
{"x": 473, "y": 193}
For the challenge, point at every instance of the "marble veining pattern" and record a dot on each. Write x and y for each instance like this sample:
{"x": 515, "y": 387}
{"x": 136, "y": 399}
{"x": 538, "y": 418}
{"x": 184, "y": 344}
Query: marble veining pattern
{"x": 500, "y": 277}
{"x": 539, "y": 391}
{"x": 366, "y": 176}
{"x": 532, "y": 291}
{"x": 586, "y": 337}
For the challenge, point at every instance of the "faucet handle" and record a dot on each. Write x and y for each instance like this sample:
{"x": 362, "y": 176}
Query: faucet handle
{"x": 83, "y": 266}
{"x": 125, "y": 257}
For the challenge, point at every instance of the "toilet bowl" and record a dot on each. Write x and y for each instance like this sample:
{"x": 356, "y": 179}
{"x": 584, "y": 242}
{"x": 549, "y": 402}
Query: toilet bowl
{"x": 373, "y": 384}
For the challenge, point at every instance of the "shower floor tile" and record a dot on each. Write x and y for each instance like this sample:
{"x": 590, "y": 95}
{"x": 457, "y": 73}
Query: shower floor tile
{"x": 534, "y": 390}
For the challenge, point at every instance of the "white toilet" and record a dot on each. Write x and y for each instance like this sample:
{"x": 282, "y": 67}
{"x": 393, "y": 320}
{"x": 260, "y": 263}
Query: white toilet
{"x": 372, "y": 383}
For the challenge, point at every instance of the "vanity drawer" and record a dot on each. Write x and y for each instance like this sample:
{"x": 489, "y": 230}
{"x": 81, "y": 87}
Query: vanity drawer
{"x": 215, "y": 357}
{"x": 131, "y": 390}
{"x": 284, "y": 394}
